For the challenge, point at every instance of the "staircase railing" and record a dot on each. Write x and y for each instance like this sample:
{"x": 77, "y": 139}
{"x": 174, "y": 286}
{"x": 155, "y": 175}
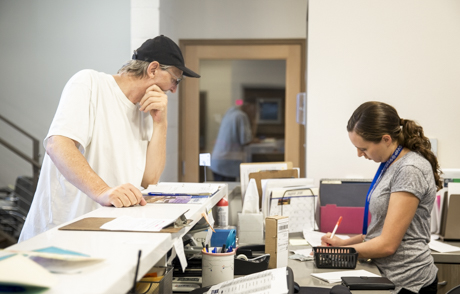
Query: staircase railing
{"x": 34, "y": 160}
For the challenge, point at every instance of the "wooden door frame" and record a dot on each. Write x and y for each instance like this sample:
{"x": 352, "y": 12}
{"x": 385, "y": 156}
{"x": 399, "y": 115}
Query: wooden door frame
{"x": 293, "y": 51}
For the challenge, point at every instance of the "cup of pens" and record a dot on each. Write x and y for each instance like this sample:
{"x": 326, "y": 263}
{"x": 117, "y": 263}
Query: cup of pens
{"x": 217, "y": 265}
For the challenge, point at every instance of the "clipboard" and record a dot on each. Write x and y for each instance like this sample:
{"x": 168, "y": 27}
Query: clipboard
{"x": 271, "y": 174}
{"x": 95, "y": 223}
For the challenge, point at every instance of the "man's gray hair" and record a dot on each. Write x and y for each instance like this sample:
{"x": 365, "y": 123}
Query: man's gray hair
{"x": 138, "y": 68}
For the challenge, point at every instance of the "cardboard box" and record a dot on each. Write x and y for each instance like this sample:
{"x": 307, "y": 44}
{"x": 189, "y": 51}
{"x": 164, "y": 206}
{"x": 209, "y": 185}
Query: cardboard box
{"x": 250, "y": 228}
{"x": 277, "y": 240}
{"x": 271, "y": 174}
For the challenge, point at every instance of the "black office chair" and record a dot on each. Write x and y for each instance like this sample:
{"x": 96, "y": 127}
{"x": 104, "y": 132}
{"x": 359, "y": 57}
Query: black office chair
{"x": 454, "y": 290}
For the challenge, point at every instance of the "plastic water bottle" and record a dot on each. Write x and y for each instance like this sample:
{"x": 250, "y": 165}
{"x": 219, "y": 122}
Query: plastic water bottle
{"x": 222, "y": 213}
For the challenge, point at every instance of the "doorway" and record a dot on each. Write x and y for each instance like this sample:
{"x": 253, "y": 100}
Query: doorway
{"x": 290, "y": 52}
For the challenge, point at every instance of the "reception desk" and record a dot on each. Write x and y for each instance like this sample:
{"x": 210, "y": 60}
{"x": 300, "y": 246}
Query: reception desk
{"x": 119, "y": 249}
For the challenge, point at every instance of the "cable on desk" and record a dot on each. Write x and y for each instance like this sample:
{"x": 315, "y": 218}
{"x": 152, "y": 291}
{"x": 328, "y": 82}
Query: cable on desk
{"x": 133, "y": 290}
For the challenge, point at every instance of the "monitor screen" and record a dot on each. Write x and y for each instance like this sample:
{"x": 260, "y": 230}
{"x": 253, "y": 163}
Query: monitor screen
{"x": 269, "y": 111}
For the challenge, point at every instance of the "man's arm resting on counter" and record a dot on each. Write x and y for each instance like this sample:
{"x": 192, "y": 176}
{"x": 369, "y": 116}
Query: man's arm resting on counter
{"x": 72, "y": 164}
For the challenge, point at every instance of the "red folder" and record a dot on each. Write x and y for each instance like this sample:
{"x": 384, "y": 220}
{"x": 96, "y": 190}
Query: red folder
{"x": 352, "y": 219}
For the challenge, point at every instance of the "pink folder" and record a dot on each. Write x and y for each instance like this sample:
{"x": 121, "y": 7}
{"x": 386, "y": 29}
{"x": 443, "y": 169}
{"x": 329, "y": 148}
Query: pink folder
{"x": 352, "y": 219}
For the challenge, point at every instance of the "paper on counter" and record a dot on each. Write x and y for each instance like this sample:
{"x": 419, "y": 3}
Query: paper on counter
{"x": 306, "y": 252}
{"x": 298, "y": 242}
{"x": 442, "y": 247}
{"x": 336, "y": 277}
{"x": 302, "y": 254}
{"x": 128, "y": 223}
{"x": 314, "y": 237}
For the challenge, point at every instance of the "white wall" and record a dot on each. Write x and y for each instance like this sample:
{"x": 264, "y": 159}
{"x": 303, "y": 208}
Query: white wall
{"x": 405, "y": 53}
{"x": 43, "y": 43}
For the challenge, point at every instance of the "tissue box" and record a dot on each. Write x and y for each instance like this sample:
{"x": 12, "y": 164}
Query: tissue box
{"x": 277, "y": 240}
{"x": 250, "y": 228}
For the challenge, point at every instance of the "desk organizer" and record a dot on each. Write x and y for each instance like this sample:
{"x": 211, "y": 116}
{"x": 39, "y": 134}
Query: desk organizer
{"x": 251, "y": 266}
{"x": 156, "y": 286}
{"x": 335, "y": 257}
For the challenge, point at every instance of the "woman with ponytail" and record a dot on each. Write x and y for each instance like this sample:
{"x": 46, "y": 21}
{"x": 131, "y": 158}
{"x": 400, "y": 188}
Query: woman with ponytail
{"x": 399, "y": 200}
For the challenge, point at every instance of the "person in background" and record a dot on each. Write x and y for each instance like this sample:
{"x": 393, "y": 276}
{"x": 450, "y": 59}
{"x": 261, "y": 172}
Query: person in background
{"x": 108, "y": 137}
{"x": 400, "y": 199}
{"x": 235, "y": 132}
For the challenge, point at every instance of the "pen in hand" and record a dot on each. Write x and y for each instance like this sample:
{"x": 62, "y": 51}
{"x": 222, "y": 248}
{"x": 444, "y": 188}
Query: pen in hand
{"x": 336, "y": 226}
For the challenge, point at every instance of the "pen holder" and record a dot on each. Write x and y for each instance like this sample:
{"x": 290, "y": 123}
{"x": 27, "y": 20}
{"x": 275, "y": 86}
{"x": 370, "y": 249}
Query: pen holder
{"x": 217, "y": 267}
{"x": 335, "y": 257}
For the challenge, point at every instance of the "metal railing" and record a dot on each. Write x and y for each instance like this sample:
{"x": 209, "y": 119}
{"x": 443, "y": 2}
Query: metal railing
{"x": 34, "y": 160}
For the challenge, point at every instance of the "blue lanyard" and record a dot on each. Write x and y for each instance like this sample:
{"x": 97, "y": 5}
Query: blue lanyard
{"x": 382, "y": 169}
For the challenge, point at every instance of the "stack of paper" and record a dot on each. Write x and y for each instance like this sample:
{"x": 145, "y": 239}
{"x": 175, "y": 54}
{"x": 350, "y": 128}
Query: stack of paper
{"x": 269, "y": 185}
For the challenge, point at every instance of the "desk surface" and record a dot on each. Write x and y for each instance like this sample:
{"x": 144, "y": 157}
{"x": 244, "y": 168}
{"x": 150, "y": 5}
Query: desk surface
{"x": 120, "y": 249}
{"x": 449, "y": 257}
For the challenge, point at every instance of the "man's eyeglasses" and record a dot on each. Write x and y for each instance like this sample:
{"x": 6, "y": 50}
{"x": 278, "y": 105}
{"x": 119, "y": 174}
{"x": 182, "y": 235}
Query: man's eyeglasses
{"x": 176, "y": 80}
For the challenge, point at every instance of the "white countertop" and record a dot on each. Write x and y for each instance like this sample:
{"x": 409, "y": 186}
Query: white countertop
{"x": 119, "y": 249}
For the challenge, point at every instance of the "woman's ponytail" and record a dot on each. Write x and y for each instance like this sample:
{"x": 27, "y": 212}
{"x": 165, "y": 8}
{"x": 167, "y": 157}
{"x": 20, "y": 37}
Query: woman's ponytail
{"x": 414, "y": 138}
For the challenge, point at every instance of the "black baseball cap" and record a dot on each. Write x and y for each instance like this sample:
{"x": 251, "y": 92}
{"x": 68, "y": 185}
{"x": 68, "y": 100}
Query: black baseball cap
{"x": 163, "y": 50}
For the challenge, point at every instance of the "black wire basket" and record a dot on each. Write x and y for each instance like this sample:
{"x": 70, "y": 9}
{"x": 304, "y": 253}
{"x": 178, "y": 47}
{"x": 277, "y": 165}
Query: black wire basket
{"x": 335, "y": 257}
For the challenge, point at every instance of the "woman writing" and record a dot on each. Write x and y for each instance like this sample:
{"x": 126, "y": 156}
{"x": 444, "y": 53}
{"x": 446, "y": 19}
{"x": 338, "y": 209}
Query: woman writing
{"x": 399, "y": 200}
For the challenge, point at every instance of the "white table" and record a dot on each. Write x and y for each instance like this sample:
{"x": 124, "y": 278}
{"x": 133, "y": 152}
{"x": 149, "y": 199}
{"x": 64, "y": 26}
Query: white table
{"x": 120, "y": 249}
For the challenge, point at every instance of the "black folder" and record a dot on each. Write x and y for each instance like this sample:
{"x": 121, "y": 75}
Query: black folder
{"x": 367, "y": 283}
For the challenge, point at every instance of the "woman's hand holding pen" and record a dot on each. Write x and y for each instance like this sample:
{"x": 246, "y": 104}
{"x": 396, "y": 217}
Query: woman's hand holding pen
{"x": 121, "y": 196}
{"x": 335, "y": 241}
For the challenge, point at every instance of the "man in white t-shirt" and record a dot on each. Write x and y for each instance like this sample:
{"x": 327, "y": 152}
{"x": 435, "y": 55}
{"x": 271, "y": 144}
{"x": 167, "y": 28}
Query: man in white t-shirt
{"x": 108, "y": 137}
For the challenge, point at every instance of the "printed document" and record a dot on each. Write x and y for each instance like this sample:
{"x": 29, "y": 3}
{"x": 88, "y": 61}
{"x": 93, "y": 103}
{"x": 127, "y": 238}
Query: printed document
{"x": 129, "y": 223}
{"x": 267, "y": 282}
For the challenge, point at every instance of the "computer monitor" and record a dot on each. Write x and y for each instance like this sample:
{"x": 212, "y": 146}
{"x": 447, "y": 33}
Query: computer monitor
{"x": 269, "y": 111}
